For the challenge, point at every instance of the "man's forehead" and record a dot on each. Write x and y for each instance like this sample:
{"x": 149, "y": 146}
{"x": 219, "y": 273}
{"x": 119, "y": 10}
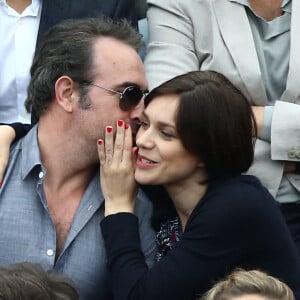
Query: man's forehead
{"x": 118, "y": 63}
{"x": 114, "y": 50}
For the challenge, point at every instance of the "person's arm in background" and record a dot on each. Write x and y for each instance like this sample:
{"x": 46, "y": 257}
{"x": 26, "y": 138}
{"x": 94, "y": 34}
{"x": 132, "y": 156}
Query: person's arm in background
{"x": 170, "y": 50}
{"x": 285, "y": 132}
{"x": 9, "y": 134}
{"x": 280, "y": 125}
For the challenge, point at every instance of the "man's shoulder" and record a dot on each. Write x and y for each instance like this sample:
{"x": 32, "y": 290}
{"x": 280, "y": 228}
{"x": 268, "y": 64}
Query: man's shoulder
{"x": 24, "y": 154}
{"x": 143, "y": 204}
{"x": 27, "y": 141}
{"x": 15, "y": 149}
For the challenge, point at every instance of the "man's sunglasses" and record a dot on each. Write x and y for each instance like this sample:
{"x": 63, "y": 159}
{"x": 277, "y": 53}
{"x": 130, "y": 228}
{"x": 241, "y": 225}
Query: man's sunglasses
{"x": 130, "y": 97}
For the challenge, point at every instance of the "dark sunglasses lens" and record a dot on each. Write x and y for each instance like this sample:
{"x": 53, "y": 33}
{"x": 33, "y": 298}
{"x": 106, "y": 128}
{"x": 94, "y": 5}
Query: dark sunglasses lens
{"x": 132, "y": 95}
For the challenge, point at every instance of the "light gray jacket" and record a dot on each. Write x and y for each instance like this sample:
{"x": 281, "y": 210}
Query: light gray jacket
{"x": 216, "y": 35}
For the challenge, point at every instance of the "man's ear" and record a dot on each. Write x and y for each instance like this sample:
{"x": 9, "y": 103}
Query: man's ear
{"x": 65, "y": 92}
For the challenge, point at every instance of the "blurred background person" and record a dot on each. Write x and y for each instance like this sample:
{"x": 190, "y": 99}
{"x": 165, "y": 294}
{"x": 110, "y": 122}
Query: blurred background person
{"x": 23, "y": 24}
{"x": 250, "y": 285}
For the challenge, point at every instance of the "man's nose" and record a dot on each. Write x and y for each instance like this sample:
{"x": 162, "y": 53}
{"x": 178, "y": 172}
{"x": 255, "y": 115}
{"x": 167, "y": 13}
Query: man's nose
{"x": 136, "y": 112}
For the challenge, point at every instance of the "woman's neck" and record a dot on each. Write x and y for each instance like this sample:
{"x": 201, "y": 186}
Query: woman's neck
{"x": 185, "y": 198}
{"x": 267, "y": 9}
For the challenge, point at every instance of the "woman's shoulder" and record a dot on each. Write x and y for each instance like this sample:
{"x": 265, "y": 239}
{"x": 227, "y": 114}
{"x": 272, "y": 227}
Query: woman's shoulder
{"x": 237, "y": 204}
{"x": 237, "y": 195}
{"x": 242, "y": 186}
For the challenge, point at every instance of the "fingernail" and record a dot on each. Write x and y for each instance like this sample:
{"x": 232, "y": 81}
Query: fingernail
{"x": 120, "y": 123}
{"x": 126, "y": 126}
{"x": 109, "y": 129}
{"x": 136, "y": 150}
{"x": 100, "y": 142}
{"x": 0, "y": 184}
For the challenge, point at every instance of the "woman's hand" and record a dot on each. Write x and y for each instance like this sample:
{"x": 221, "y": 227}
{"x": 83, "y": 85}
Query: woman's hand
{"x": 7, "y": 136}
{"x": 117, "y": 167}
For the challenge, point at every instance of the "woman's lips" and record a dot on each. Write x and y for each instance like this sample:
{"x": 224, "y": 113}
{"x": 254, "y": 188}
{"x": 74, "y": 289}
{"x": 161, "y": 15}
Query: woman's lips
{"x": 143, "y": 162}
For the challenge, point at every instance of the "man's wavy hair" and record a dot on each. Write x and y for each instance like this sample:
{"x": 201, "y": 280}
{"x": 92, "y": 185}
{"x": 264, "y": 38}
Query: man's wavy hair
{"x": 67, "y": 50}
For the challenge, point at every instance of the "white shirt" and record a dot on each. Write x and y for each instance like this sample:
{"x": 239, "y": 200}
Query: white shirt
{"x": 18, "y": 35}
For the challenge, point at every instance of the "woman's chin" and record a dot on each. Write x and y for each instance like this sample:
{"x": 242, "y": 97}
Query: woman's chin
{"x": 141, "y": 179}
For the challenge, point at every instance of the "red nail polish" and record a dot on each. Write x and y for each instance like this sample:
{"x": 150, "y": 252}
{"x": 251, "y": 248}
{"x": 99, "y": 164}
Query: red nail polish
{"x": 109, "y": 129}
{"x": 100, "y": 142}
{"x": 0, "y": 184}
{"x": 126, "y": 126}
{"x": 120, "y": 123}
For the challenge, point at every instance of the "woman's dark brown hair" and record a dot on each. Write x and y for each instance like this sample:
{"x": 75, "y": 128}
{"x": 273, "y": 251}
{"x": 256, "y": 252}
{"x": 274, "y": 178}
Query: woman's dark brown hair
{"x": 214, "y": 121}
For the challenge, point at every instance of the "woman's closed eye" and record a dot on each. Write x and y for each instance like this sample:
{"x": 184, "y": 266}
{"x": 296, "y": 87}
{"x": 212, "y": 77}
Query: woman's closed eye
{"x": 167, "y": 134}
{"x": 166, "y": 131}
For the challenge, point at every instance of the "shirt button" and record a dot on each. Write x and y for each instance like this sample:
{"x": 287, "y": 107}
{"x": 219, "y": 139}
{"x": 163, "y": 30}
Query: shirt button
{"x": 298, "y": 154}
{"x": 50, "y": 252}
{"x": 41, "y": 174}
{"x": 292, "y": 154}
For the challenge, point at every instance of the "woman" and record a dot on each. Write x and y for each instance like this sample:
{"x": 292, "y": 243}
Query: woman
{"x": 255, "y": 44}
{"x": 194, "y": 143}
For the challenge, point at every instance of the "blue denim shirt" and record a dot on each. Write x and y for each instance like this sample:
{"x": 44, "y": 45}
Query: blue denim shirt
{"x": 28, "y": 232}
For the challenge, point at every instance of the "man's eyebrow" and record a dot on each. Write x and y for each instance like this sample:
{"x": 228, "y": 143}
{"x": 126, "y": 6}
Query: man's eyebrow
{"x": 123, "y": 85}
{"x": 129, "y": 83}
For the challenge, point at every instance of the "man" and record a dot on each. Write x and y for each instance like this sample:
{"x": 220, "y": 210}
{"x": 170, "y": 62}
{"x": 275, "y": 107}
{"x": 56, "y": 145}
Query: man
{"x": 86, "y": 75}
{"x": 23, "y": 26}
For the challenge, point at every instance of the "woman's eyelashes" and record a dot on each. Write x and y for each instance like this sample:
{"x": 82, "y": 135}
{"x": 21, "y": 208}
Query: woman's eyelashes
{"x": 166, "y": 131}
{"x": 167, "y": 134}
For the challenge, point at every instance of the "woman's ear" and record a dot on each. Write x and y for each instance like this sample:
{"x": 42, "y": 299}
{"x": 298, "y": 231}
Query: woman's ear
{"x": 65, "y": 92}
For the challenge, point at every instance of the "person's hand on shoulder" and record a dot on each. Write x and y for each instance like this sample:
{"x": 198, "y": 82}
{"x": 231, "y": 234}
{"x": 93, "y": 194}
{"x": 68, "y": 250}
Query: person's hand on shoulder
{"x": 7, "y": 136}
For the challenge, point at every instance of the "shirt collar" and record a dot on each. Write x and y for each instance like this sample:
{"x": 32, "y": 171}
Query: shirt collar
{"x": 35, "y": 7}
{"x": 31, "y": 10}
{"x": 286, "y": 5}
{"x": 30, "y": 152}
{"x": 246, "y": 3}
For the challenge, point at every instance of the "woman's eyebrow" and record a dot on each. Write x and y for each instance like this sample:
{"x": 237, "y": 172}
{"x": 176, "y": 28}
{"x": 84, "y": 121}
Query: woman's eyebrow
{"x": 160, "y": 123}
